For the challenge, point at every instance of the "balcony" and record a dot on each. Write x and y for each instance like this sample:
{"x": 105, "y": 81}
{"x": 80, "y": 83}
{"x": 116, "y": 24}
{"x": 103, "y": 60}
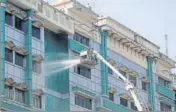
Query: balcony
{"x": 50, "y": 16}
{"x": 109, "y": 105}
{"x": 26, "y": 4}
{"x": 165, "y": 91}
{"x": 174, "y": 83}
{"x": 76, "y": 46}
{"x": 128, "y": 37}
{"x": 82, "y": 91}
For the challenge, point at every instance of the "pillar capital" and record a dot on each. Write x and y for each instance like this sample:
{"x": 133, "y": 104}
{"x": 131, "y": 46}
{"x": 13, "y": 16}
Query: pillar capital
{"x": 30, "y": 13}
{"x": 150, "y": 58}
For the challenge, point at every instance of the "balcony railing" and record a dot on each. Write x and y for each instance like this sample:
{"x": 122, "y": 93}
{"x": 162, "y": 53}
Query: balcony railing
{"x": 27, "y": 4}
{"x": 109, "y": 105}
{"x": 165, "y": 91}
{"x": 76, "y": 46}
{"x": 52, "y": 17}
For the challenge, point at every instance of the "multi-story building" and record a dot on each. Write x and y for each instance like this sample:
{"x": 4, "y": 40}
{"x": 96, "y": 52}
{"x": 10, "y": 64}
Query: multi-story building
{"x": 36, "y": 35}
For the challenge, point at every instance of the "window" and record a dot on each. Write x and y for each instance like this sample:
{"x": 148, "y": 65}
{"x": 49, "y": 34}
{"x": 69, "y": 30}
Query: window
{"x": 36, "y": 32}
{"x": 8, "y": 19}
{"x": 36, "y": 101}
{"x": 15, "y": 94}
{"x": 81, "y": 39}
{"x": 19, "y": 96}
{"x": 81, "y": 70}
{"x": 124, "y": 102}
{"x": 9, "y": 55}
{"x": 111, "y": 96}
{"x": 133, "y": 106}
{"x": 144, "y": 85}
{"x": 9, "y": 92}
{"x": 132, "y": 79}
{"x": 165, "y": 107}
{"x": 20, "y": 24}
{"x": 123, "y": 73}
{"x": 19, "y": 59}
{"x": 83, "y": 102}
{"x": 164, "y": 82}
{"x": 36, "y": 66}
{"x": 110, "y": 71}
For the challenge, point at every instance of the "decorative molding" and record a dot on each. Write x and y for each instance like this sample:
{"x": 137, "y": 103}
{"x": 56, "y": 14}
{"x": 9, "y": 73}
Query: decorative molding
{"x": 39, "y": 92}
{"x": 112, "y": 62}
{"x": 9, "y": 81}
{"x": 112, "y": 90}
{"x": 38, "y": 58}
{"x": 145, "y": 79}
{"x": 10, "y": 45}
{"x": 16, "y": 11}
{"x": 125, "y": 96}
{"x": 21, "y": 86}
{"x": 20, "y": 50}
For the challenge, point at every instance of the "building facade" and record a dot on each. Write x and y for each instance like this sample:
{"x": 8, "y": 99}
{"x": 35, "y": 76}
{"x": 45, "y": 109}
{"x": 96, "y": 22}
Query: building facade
{"x": 36, "y": 35}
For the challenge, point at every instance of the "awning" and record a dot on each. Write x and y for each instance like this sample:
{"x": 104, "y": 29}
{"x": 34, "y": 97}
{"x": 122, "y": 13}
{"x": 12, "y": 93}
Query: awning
{"x": 12, "y": 46}
{"x": 125, "y": 96}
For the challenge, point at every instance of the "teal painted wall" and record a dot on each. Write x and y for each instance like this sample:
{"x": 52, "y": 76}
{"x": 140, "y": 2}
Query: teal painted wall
{"x": 14, "y": 108}
{"x": 56, "y": 49}
{"x": 151, "y": 98}
{"x": 165, "y": 91}
{"x": 2, "y": 47}
{"x": 76, "y": 46}
{"x": 114, "y": 107}
{"x": 28, "y": 45}
{"x": 104, "y": 73}
{"x": 56, "y": 104}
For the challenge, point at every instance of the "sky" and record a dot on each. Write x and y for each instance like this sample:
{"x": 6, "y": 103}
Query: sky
{"x": 152, "y": 19}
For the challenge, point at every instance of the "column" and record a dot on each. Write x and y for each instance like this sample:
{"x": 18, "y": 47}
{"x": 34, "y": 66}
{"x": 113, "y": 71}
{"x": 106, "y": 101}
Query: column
{"x": 28, "y": 45}
{"x": 151, "y": 97}
{"x": 2, "y": 46}
{"x": 104, "y": 73}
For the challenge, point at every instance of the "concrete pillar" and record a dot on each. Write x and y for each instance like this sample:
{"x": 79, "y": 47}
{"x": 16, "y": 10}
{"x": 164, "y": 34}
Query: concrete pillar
{"x": 28, "y": 45}
{"x": 151, "y": 97}
{"x": 104, "y": 73}
{"x": 2, "y": 46}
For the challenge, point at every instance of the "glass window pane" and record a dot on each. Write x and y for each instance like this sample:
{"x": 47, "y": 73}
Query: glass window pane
{"x": 83, "y": 102}
{"x": 81, "y": 39}
{"x": 20, "y": 24}
{"x": 19, "y": 96}
{"x": 111, "y": 96}
{"x": 144, "y": 86}
{"x": 133, "y": 106}
{"x": 8, "y": 19}
{"x": 132, "y": 79}
{"x": 124, "y": 102}
{"x": 9, "y": 55}
{"x": 109, "y": 71}
{"x": 36, "y": 67}
{"x": 19, "y": 59}
{"x": 37, "y": 101}
{"x": 36, "y": 32}
{"x": 86, "y": 72}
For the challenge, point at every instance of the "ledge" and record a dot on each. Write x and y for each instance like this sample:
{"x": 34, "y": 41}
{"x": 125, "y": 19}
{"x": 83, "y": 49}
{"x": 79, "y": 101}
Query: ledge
{"x": 83, "y": 91}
